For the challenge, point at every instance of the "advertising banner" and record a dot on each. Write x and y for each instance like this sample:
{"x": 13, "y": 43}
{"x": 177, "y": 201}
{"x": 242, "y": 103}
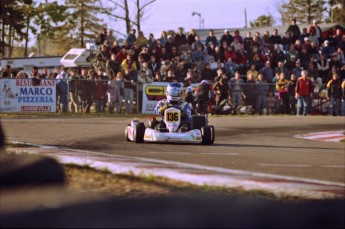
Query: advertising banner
{"x": 19, "y": 95}
{"x": 154, "y": 92}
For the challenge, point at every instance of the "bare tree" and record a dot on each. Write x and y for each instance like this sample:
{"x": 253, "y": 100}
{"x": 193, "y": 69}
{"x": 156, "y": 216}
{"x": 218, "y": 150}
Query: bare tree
{"x": 131, "y": 19}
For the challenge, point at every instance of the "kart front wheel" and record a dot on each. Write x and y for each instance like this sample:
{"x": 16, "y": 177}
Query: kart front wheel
{"x": 208, "y": 135}
{"x": 138, "y": 133}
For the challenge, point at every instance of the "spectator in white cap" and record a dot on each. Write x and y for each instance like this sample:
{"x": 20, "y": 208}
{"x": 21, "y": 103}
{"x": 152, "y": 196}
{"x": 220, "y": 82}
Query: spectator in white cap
{"x": 327, "y": 50}
{"x": 315, "y": 32}
{"x": 227, "y": 37}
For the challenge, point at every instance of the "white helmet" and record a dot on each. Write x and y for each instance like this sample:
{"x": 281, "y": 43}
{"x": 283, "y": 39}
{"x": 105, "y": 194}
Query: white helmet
{"x": 174, "y": 92}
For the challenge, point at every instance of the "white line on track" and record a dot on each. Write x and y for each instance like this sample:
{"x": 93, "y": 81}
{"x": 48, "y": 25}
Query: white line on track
{"x": 229, "y": 154}
{"x": 283, "y": 165}
{"x": 334, "y": 166}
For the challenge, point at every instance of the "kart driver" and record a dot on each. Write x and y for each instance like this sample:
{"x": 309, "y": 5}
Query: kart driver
{"x": 174, "y": 94}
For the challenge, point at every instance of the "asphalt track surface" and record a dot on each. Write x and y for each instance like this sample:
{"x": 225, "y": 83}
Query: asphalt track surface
{"x": 263, "y": 144}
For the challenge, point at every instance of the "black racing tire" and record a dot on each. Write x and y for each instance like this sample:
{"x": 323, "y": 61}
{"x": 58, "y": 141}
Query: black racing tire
{"x": 208, "y": 135}
{"x": 126, "y": 134}
{"x": 138, "y": 133}
{"x": 198, "y": 121}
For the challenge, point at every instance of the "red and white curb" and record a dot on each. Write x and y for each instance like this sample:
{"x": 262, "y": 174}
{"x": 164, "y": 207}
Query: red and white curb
{"x": 195, "y": 174}
{"x": 328, "y": 136}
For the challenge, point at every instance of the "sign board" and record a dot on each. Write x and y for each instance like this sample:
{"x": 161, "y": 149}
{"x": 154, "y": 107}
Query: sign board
{"x": 19, "y": 95}
{"x": 153, "y": 93}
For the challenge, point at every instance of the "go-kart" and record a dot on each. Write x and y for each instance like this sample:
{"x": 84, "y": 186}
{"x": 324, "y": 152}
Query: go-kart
{"x": 171, "y": 128}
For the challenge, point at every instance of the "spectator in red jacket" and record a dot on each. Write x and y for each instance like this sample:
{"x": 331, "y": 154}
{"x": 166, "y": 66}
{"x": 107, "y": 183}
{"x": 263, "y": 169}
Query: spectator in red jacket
{"x": 303, "y": 93}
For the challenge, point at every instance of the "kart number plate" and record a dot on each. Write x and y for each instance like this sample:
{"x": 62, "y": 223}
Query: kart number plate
{"x": 172, "y": 116}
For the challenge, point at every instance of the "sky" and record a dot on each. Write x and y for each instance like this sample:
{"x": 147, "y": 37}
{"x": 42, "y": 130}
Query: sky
{"x": 217, "y": 14}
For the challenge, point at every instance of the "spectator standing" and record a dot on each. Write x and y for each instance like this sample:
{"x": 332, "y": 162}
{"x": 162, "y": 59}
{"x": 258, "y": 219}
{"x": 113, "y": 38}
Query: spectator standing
{"x": 334, "y": 94}
{"x": 275, "y": 38}
{"x": 267, "y": 72}
{"x": 102, "y": 37}
{"x": 61, "y": 87}
{"x": 282, "y": 87}
{"x": 294, "y": 30}
{"x": 81, "y": 89}
{"x": 151, "y": 42}
{"x": 343, "y": 95}
{"x": 130, "y": 82}
{"x": 261, "y": 90}
{"x": 248, "y": 43}
{"x": 143, "y": 78}
{"x": 249, "y": 91}
{"x": 100, "y": 93}
{"x": 203, "y": 98}
{"x": 238, "y": 37}
{"x": 164, "y": 38}
{"x": 266, "y": 38}
{"x": 271, "y": 102}
{"x": 111, "y": 93}
{"x": 73, "y": 91}
{"x": 211, "y": 38}
{"x": 180, "y": 40}
{"x": 110, "y": 38}
{"x": 237, "y": 85}
{"x": 315, "y": 33}
{"x": 141, "y": 40}
{"x": 191, "y": 38}
{"x": 303, "y": 93}
{"x": 226, "y": 37}
{"x": 115, "y": 93}
{"x": 131, "y": 38}
{"x": 89, "y": 89}
{"x": 291, "y": 92}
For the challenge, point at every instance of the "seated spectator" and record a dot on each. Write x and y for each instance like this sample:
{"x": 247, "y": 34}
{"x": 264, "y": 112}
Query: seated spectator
{"x": 252, "y": 71}
{"x": 230, "y": 67}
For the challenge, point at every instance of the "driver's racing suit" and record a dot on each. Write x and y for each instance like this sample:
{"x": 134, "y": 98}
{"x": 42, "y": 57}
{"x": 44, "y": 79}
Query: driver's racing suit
{"x": 186, "y": 114}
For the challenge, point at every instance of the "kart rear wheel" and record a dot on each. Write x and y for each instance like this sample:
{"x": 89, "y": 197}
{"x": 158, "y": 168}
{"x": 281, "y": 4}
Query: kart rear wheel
{"x": 138, "y": 133}
{"x": 208, "y": 135}
{"x": 198, "y": 121}
{"x": 126, "y": 134}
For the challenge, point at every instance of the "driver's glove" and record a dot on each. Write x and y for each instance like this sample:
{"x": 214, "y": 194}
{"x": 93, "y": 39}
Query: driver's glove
{"x": 162, "y": 109}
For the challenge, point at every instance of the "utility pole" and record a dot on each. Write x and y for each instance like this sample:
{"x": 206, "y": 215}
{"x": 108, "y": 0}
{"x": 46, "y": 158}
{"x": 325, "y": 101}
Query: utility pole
{"x": 245, "y": 18}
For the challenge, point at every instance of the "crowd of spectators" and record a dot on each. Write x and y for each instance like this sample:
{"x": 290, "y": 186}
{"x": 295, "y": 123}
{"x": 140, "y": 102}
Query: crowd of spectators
{"x": 260, "y": 71}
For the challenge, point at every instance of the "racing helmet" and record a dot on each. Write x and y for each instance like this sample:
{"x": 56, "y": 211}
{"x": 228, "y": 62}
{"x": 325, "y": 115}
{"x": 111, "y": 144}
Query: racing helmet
{"x": 174, "y": 92}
